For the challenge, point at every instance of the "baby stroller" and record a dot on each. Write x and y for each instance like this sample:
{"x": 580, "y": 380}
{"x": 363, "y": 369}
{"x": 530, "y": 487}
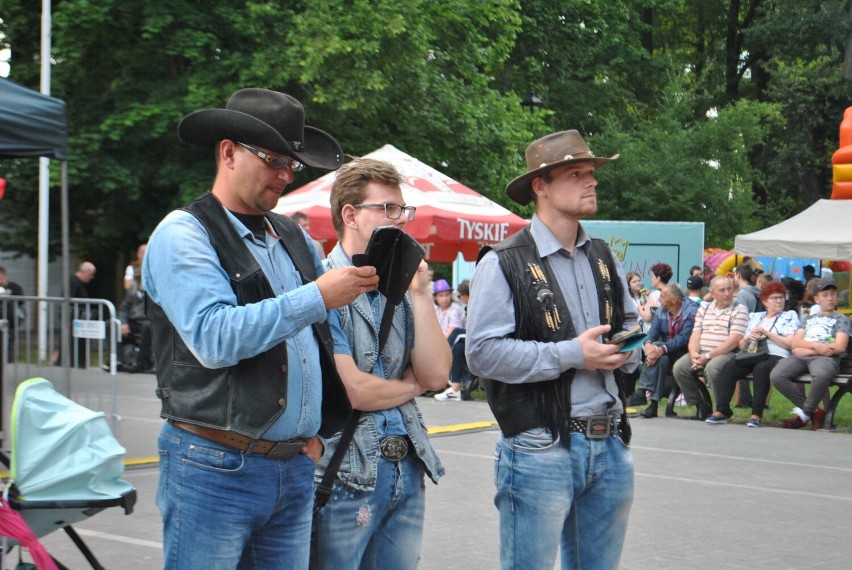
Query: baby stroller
{"x": 65, "y": 466}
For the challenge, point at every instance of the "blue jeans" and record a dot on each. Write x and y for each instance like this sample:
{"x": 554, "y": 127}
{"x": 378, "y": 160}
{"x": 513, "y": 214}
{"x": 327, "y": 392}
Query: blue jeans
{"x": 375, "y": 530}
{"x": 549, "y": 496}
{"x": 223, "y": 509}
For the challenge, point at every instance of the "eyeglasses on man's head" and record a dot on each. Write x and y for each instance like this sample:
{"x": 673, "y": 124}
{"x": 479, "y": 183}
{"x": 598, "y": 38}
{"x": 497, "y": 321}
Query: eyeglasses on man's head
{"x": 277, "y": 162}
{"x": 392, "y": 211}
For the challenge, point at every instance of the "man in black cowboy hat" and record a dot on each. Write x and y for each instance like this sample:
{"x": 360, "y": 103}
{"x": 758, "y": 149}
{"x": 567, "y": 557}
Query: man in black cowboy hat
{"x": 542, "y": 304}
{"x": 238, "y": 302}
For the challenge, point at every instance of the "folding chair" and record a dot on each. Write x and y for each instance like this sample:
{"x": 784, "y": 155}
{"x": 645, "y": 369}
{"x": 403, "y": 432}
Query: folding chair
{"x": 65, "y": 465}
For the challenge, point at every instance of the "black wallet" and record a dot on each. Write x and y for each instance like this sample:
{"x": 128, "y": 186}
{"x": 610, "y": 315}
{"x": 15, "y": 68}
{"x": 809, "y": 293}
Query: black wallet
{"x": 396, "y": 257}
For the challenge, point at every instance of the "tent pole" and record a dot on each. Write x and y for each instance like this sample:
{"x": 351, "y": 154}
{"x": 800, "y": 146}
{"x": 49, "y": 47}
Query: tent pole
{"x": 43, "y": 190}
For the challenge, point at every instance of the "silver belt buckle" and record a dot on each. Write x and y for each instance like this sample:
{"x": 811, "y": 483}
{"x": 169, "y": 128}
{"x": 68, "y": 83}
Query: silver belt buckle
{"x": 285, "y": 450}
{"x": 598, "y": 427}
{"x": 394, "y": 448}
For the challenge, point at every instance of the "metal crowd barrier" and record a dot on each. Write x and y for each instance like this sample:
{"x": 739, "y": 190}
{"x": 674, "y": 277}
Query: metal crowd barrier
{"x": 73, "y": 343}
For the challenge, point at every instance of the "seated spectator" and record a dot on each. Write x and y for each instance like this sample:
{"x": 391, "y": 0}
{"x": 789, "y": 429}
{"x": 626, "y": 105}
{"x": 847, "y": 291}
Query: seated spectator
{"x": 795, "y": 293}
{"x": 747, "y": 294}
{"x": 135, "y": 333}
{"x": 695, "y": 289}
{"x": 777, "y": 327}
{"x": 661, "y": 273}
{"x": 457, "y": 341}
{"x": 763, "y": 279}
{"x": 666, "y": 342}
{"x": 450, "y": 316}
{"x": 817, "y": 347}
{"x": 719, "y": 328}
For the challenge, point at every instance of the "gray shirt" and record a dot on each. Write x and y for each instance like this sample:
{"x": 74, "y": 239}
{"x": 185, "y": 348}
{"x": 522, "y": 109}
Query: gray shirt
{"x": 492, "y": 353}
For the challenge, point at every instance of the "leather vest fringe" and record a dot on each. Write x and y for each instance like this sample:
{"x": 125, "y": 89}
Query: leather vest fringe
{"x": 249, "y": 397}
{"x": 541, "y": 314}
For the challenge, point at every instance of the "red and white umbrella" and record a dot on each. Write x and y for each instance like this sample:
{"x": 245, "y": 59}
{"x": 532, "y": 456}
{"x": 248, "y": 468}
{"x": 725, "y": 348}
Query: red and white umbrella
{"x": 450, "y": 218}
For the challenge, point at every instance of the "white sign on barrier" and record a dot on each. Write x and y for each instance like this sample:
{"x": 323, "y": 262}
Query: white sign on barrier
{"x": 89, "y": 329}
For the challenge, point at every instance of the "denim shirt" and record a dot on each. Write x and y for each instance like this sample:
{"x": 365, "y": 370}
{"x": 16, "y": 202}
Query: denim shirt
{"x": 355, "y": 331}
{"x": 181, "y": 273}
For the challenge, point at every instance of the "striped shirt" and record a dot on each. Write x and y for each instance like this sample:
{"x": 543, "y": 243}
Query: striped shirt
{"x": 715, "y": 325}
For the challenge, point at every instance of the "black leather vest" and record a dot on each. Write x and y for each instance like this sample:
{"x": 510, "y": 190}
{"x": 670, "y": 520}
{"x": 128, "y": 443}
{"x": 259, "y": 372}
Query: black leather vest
{"x": 249, "y": 397}
{"x": 541, "y": 314}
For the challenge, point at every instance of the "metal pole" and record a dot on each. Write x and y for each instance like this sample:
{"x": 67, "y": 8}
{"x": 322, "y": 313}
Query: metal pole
{"x": 44, "y": 189}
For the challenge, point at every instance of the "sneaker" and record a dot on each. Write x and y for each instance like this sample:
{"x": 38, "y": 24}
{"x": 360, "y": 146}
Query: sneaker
{"x": 449, "y": 395}
{"x": 753, "y": 423}
{"x": 637, "y": 398}
{"x": 716, "y": 420}
{"x": 793, "y": 423}
{"x": 817, "y": 419}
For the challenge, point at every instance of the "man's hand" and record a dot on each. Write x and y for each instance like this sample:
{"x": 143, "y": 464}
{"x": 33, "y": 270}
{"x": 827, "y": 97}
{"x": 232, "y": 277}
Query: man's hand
{"x": 341, "y": 286}
{"x": 420, "y": 282}
{"x": 597, "y": 355}
{"x": 313, "y": 448}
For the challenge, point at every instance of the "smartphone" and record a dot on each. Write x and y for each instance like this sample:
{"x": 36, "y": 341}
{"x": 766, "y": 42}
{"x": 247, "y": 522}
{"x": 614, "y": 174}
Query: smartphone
{"x": 632, "y": 339}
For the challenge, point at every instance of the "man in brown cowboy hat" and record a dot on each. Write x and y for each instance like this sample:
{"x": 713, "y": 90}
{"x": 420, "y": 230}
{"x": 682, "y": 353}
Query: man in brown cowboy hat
{"x": 542, "y": 305}
{"x": 238, "y": 302}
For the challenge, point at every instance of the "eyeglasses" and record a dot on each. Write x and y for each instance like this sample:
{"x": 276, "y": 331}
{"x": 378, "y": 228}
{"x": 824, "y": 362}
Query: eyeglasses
{"x": 277, "y": 162}
{"x": 776, "y": 298}
{"x": 392, "y": 211}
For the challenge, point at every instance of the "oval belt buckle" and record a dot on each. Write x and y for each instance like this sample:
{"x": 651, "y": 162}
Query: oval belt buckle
{"x": 394, "y": 448}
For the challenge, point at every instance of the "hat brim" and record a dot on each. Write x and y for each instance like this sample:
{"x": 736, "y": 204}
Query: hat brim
{"x": 520, "y": 189}
{"x": 209, "y": 126}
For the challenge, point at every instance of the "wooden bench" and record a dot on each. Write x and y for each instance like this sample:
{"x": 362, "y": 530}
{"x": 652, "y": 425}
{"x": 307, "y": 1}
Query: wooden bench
{"x": 841, "y": 382}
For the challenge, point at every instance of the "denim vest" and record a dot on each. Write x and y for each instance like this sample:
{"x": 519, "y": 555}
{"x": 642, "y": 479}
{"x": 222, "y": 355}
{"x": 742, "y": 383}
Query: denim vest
{"x": 359, "y": 467}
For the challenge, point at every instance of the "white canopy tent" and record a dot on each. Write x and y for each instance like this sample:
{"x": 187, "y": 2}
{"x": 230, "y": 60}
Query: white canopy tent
{"x": 823, "y": 231}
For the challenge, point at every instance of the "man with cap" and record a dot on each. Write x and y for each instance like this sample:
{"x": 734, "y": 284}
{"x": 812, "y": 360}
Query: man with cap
{"x": 238, "y": 302}
{"x": 695, "y": 288}
{"x": 374, "y": 518}
{"x": 818, "y": 346}
{"x": 543, "y": 303}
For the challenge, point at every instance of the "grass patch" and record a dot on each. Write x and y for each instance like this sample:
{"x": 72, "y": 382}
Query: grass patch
{"x": 780, "y": 408}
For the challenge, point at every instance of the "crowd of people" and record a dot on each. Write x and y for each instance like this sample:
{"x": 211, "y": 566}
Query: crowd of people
{"x": 744, "y": 324}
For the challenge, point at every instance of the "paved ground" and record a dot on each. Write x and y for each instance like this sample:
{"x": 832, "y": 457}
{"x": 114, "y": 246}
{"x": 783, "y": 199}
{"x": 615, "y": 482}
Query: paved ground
{"x": 706, "y": 496}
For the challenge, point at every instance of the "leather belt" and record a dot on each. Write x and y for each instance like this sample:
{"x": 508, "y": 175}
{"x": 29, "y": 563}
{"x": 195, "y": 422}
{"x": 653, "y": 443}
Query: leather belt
{"x": 595, "y": 427}
{"x": 271, "y": 449}
{"x": 395, "y": 447}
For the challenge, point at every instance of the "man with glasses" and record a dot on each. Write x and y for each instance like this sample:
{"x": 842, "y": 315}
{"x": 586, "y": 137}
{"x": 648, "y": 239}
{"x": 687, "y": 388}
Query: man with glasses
{"x": 375, "y": 515}
{"x": 238, "y": 304}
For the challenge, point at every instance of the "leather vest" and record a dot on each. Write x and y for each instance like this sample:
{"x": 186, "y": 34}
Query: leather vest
{"x": 541, "y": 314}
{"x": 249, "y": 397}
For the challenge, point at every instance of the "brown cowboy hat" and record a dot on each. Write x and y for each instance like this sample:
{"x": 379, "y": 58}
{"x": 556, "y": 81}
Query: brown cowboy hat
{"x": 556, "y": 149}
{"x": 264, "y": 118}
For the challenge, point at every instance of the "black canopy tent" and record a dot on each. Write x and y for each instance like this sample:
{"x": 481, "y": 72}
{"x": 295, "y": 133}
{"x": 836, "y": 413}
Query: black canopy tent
{"x": 34, "y": 125}
{"x": 31, "y": 124}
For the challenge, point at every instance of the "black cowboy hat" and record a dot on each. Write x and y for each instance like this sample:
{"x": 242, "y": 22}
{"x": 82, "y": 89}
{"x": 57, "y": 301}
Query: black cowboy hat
{"x": 264, "y": 118}
{"x": 556, "y": 149}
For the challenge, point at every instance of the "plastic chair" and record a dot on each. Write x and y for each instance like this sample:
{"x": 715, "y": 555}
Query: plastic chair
{"x": 65, "y": 464}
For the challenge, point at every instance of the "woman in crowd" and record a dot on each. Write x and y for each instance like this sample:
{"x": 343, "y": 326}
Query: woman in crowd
{"x": 634, "y": 287}
{"x": 660, "y": 275}
{"x": 451, "y": 317}
{"x": 777, "y": 327}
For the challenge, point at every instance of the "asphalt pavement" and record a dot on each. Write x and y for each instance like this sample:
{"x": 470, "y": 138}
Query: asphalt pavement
{"x": 706, "y": 496}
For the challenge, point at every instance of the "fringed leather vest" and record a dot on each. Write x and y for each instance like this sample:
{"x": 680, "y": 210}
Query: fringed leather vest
{"x": 541, "y": 314}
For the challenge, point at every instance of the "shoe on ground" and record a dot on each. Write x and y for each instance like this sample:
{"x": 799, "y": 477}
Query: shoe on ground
{"x": 651, "y": 411}
{"x": 703, "y": 410}
{"x": 716, "y": 420}
{"x": 637, "y": 398}
{"x": 449, "y": 395}
{"x": 753, "y": 423}
{"x": 817, "y": 419}
{"x": 793, "y": 423}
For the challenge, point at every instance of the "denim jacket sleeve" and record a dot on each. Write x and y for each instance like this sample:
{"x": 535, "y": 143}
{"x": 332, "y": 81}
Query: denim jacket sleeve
{"x": 182, "y": 274}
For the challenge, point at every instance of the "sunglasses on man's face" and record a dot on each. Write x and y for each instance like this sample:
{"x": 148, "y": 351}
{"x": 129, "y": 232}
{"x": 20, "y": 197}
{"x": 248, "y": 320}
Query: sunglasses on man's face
{"x": 276, "y": 162}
